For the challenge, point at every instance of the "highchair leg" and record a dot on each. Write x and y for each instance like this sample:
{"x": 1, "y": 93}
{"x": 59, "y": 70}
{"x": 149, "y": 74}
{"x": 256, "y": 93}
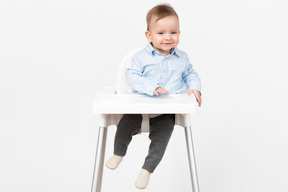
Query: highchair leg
{"x": 191, "y": 158}
{"x": 99, "y": 160}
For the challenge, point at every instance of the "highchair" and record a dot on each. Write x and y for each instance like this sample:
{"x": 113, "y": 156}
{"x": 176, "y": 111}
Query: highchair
{"x": 111, "y": 103}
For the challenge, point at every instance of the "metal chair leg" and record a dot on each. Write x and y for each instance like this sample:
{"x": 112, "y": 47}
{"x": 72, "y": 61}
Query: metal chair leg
{"x": 191, "y": 158}
{"x": 99, "y": 160}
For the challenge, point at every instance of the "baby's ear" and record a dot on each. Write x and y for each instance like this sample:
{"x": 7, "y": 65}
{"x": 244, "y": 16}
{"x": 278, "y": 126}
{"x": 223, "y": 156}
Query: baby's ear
{"x": 148, "y": 36}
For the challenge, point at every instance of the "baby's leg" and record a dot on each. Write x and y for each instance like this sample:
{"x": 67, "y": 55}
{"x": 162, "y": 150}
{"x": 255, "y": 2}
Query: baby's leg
{"x": 128, "y": 126}
{"x": 161, "y": 128}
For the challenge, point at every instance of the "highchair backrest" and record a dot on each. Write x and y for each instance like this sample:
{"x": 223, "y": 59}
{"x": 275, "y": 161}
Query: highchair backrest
{"x": 121, "y": 86}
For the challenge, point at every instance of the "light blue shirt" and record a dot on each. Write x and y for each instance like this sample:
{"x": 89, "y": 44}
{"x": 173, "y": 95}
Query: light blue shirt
{"x": 150, "y": 69}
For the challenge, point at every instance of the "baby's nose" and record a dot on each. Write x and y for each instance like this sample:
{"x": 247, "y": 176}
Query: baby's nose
{"x": 167, "y": 36}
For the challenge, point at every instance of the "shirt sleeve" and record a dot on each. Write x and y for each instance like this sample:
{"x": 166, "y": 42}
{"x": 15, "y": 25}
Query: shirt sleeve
{"x": 137, "y": 81}
{"x": 190, "y": 76}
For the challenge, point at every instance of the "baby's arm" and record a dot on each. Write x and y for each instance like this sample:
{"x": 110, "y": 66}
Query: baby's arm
{"x": 137, "y": 81}
{"x": 197, "y": 95}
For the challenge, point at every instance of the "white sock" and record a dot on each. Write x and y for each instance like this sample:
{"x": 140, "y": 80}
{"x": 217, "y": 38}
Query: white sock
{"x": 113, "y": 162}
{"x": 143, "y": 179}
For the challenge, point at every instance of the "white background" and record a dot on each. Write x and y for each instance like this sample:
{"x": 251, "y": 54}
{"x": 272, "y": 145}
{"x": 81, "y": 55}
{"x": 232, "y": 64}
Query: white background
{"x": 55, "y": 54}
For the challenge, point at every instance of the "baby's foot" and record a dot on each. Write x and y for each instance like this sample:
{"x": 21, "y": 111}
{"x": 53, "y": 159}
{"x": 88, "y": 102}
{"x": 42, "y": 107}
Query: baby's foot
{"x": 113, "y": 162}
{"x": 143, "y": 179}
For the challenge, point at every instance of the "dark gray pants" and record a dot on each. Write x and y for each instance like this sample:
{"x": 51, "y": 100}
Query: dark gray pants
{"x": 161, "y": 128}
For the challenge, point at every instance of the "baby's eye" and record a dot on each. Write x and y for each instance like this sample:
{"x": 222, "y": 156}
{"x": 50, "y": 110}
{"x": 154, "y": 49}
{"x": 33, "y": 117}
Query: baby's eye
{"x": 174, "y": 33}
{"x": 160, "y": 33}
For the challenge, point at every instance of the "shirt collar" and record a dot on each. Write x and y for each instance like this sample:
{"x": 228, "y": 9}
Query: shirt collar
{"x": 152, "y": 51}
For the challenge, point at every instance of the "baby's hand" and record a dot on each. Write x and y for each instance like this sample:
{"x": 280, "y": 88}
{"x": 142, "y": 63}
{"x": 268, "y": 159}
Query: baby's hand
{"x": 160, "y": 90}
{"x": 197, "y": 95}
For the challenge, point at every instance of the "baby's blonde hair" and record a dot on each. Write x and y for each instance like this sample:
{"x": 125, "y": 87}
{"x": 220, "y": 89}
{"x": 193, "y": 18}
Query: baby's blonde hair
{"x": 160, "y": 11}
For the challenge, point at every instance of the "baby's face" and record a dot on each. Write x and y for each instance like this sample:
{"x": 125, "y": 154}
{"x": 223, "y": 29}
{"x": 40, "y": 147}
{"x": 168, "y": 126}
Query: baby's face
{"x": 164, "y": 34}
